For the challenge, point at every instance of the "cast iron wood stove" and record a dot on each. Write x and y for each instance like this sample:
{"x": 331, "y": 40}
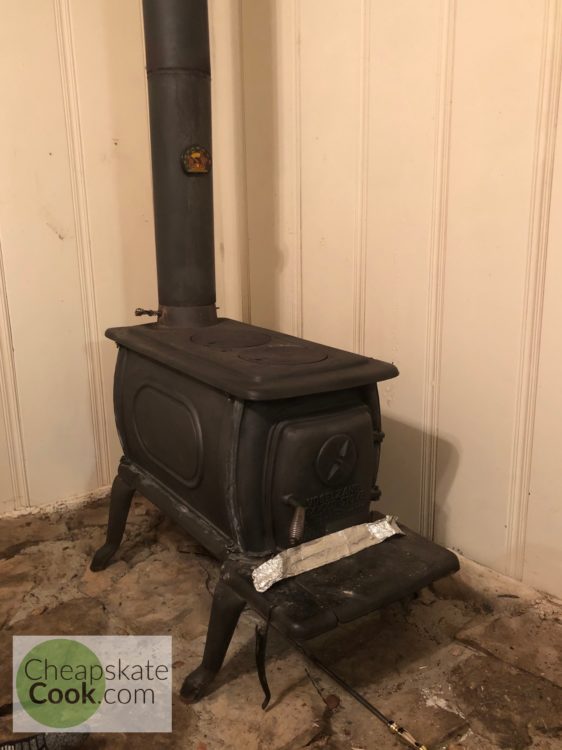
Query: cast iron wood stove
{"x": 250, "y": 439}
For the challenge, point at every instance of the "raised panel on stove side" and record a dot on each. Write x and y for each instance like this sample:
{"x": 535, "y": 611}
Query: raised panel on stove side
{"x": 178, "y": 430}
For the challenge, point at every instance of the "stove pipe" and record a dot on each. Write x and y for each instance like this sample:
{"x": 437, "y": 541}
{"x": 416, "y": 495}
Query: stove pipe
{"x": 179, "y": 91}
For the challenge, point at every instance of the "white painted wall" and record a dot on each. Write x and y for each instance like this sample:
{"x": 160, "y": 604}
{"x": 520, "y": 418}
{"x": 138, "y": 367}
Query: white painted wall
{"x": 387, "y": 174}
{"x": 76, "y": 229}
{"x": 403, "y": 180}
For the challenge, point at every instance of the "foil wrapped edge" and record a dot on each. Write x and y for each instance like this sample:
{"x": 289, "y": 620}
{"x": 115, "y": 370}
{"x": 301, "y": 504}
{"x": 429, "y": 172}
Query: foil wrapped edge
{"x": 326, "y": 549}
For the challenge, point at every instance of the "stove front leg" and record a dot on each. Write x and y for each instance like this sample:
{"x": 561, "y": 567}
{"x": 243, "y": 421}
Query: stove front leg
{"x": 120, "y": 503}
{"x": 225, "y": 612}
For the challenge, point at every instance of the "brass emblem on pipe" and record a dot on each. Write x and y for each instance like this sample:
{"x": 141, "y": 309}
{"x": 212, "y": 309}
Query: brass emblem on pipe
{"x": 196, "y": 160}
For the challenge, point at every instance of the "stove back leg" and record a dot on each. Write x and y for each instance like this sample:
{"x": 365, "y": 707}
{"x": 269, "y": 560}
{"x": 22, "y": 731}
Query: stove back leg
{"x": 120, "y": 503}
{"x": 225, "y": 612}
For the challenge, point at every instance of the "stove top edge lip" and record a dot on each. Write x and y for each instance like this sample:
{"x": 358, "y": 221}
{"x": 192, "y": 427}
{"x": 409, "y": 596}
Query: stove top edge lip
{"x": 225, "y": 370}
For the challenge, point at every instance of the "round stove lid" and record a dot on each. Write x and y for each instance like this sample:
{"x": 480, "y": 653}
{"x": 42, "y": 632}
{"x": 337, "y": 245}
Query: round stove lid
{"x": 284, "y": 354}
{"x": 230, "y": 338}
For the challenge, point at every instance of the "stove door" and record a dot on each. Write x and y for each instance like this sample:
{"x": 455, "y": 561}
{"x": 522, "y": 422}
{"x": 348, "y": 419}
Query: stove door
{"x": 320, "y": 474}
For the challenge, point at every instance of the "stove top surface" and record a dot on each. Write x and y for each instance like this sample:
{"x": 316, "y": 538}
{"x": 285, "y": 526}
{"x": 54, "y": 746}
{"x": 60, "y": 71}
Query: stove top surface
{"x": 250, "y": 362}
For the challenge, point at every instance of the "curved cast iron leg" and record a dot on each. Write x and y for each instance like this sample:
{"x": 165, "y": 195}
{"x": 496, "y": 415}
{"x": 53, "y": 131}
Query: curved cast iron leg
{"x": 121, "y": 496}
{"x": 225, "y": 612}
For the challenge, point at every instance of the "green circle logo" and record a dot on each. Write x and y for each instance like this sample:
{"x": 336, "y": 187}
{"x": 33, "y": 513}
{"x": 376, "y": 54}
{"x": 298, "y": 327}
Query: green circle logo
{"x": 60, "y": 683}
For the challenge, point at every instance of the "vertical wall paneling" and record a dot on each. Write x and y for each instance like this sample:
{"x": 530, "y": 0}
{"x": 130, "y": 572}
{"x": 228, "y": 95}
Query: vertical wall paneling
{"x": 535, "y": 276}
{"x": 83, "y": 238}
{"x": 229, "y": 161}
{"x": 286, "y": 80}
{"x": 40, "y": 256}
{"x": 271, "y": 72}
{"x": 260, "y": 127}
{"x": 492, "y": 153}
{"x": 110, "y": 89}
{"x": 437, "y": 258}
{"x": 77, "y": 228}
{"x": 362, "y": 198}
{"x": 291, "y": 215}
{"x": 404, "y": 81}
{"x": 331, "y": 140}
{"x": 14, "y": 492}
{"x": 543, "y": 523}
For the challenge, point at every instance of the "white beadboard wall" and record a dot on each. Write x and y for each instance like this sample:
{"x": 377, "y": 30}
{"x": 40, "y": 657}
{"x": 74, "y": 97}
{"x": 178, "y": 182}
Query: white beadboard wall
{"x": 387, "y": 177}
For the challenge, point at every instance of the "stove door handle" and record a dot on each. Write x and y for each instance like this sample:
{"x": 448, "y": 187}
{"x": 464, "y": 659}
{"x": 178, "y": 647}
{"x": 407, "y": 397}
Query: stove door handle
{"x": 296, "y": 528}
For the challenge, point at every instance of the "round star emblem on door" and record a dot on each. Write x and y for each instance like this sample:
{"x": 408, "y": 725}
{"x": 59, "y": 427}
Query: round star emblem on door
{"x": 336, "y": 460}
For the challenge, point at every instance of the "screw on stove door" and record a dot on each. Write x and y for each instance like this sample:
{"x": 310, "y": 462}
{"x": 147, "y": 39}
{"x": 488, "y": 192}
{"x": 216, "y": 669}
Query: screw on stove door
{"x": 296, "y": 527}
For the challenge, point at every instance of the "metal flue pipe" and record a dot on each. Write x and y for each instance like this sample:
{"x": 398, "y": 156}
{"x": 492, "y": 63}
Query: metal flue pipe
{"x": 179, "y": 88}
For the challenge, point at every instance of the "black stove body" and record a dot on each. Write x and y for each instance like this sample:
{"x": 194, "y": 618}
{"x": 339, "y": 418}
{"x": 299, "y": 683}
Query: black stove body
{"x": 252, "y": 440}
{"x": 267, "y": 439}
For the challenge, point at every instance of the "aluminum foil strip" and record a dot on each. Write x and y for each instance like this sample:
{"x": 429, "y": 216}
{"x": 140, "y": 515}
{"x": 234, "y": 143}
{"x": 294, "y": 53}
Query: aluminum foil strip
{"x": 326, "y": 549}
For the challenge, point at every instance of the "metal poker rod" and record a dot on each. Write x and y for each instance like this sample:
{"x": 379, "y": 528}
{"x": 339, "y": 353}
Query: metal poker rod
{"x": 402, "y": 734}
